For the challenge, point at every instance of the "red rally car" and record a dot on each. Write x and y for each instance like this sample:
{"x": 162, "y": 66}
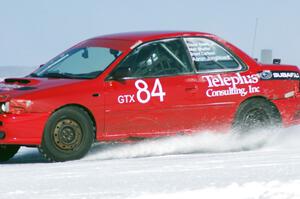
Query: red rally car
{"x": 142, "y": 85}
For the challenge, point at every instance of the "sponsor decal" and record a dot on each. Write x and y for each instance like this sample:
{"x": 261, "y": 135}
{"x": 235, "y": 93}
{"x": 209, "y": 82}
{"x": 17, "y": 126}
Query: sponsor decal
{"x": 266, "y": 74}
{"x": 234, "y": 85}
{"x": 280, "y": 75}
{"x": 143, "y": 94}
{"x": 203, "y": 50}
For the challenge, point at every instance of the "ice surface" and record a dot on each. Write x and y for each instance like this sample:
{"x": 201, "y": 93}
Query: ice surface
{"x": 204, "y": 165}
{"x": 263, "y": 165}
{"x": 253, "y": 190}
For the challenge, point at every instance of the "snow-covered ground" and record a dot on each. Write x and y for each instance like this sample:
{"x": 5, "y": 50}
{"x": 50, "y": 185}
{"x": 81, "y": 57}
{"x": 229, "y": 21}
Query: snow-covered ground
{"x": 264, "y": 165}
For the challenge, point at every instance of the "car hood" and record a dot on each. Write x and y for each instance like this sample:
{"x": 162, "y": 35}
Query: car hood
{"x": 13, "y": 87}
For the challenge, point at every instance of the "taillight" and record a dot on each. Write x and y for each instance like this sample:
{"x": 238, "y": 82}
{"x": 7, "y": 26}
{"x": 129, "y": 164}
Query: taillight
{"x": 299, "y": 81}
{"x": 16, "y": 106}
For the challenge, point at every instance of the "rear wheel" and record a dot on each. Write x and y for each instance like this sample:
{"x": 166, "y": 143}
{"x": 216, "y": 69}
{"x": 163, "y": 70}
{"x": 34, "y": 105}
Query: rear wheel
{"x": 68, "y": 135}
{"x": 256, "y": 113}
{"x": 8, "y": 151}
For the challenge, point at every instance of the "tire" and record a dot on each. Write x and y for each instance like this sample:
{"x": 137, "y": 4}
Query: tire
{"x": 68, "y": 135}
{"x": 257, "y": 113}
{"x": 8, "y": 151}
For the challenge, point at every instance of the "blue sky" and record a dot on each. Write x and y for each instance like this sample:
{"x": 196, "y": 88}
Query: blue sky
{"x": 34, "y": 31}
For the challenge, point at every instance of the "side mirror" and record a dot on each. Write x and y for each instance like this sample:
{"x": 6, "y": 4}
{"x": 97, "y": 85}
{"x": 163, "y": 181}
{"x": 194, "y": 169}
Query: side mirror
{"x": 115, "y": 53}
{"x": 118, "y": 75}
{"x": 276, "y": 61}
{"x": 41, "y": 65}
{"x": 114, "y": 77}
{"x": 85, "y": 53}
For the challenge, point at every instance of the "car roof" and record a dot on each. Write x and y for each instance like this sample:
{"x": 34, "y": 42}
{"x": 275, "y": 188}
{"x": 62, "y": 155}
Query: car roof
{"x": 150, "y": 35}
{"x": 129, "y": 40}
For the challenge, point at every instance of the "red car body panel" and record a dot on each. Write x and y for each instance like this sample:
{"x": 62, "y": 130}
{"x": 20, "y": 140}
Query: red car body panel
{"x": 191, "y": 102}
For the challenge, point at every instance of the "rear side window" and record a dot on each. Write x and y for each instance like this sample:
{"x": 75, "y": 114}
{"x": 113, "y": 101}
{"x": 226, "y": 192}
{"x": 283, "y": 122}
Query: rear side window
{"x": 208, "y": 55}
{"x": 159, "y": 58}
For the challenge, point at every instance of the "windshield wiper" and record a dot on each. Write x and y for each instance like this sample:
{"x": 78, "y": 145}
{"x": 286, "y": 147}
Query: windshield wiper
{"x": 58, "y": 75}
{"x": 33, "y": 75}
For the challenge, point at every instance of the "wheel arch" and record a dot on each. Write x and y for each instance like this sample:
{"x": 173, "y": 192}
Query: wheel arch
{"x": 252, "y": 98}
{"x": 89, "y": 112}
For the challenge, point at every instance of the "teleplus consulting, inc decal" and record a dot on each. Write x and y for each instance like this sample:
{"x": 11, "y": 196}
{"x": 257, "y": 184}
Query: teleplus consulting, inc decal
{"x": 236, "y": 85}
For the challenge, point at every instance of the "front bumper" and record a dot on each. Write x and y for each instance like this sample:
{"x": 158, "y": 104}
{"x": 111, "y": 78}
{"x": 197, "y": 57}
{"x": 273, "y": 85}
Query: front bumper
{"x": 289, "y": 109}
{"x": 22, "y": 129}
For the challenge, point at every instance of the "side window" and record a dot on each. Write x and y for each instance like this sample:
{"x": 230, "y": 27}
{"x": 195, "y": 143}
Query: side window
{"x": 207, "y": 55}
{"x": 159, "y": 58}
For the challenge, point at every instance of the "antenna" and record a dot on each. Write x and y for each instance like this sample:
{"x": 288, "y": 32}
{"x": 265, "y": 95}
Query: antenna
{"x": 254, "y": 38}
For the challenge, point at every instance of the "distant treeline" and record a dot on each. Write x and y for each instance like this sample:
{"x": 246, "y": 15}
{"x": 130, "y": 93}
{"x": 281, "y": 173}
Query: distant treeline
{"x": 15, "y": 71}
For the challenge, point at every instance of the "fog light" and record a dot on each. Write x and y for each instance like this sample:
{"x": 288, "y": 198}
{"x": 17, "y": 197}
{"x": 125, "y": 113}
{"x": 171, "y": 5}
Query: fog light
{"x": 297, "y": 115}
{"x": 2, "y": 135}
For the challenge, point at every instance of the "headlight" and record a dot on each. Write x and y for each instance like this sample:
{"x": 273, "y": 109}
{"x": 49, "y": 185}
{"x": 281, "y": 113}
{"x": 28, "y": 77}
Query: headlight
{"x": 5, "y": 107}
{"x": 16, "y": 106}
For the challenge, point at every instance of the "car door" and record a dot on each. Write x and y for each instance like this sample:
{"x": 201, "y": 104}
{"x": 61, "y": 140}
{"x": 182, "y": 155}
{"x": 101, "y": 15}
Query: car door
{"x": 152, "y": 92}
{"x": 223, "y": 81}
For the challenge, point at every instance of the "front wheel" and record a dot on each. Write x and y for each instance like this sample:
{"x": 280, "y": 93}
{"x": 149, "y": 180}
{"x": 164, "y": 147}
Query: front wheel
{"x": 8, "y": 151}
{"x": 68, "y": 135}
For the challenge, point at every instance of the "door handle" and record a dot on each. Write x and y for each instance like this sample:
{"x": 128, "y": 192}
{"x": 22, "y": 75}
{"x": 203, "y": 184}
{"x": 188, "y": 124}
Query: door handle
{"x": 192, "y": 89}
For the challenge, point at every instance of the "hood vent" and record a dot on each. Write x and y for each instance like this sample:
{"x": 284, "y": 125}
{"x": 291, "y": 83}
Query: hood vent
{"x": 26, "y": 88}
{"x": 16, "y": 80}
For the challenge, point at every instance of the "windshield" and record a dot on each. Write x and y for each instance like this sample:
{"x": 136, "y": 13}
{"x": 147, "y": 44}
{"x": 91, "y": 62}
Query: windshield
{"x": 78, "y": 63}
